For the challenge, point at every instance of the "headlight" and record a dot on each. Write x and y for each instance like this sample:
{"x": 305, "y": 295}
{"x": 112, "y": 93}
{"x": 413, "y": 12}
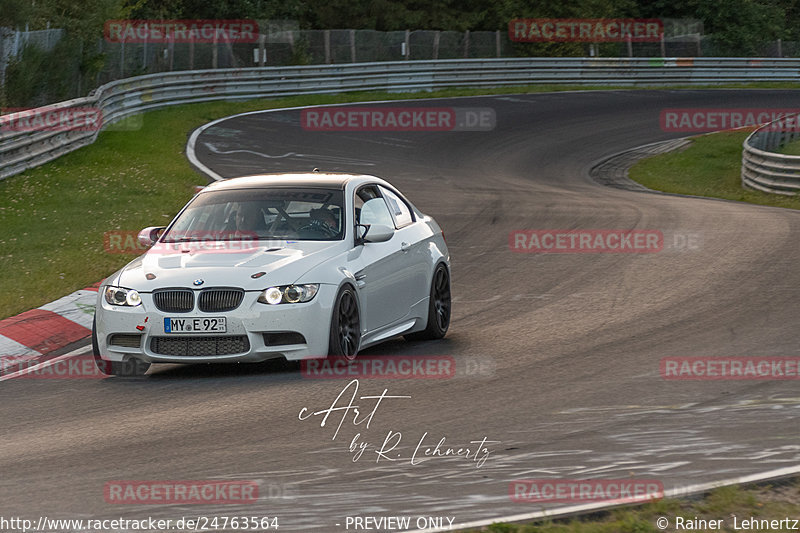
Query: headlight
{"x": 122, "y": 296}
{"x": 289, "y": 294}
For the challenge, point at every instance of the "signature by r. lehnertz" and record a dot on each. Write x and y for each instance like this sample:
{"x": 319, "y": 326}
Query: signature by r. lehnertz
{"x": 363, "y": 414}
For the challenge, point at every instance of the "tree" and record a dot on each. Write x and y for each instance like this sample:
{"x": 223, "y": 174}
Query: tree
{"x": 14, "y": 13}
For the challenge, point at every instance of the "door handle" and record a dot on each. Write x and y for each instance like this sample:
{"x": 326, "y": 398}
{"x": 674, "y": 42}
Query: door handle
{"x": 405, "y": 246}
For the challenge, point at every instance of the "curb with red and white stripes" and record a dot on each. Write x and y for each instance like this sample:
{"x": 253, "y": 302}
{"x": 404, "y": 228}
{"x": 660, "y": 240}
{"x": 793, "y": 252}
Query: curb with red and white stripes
{"x": 33, "y": 334}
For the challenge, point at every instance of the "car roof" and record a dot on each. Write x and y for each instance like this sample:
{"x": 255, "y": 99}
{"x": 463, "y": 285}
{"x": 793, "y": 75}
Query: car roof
{"x": 328, "y": 180}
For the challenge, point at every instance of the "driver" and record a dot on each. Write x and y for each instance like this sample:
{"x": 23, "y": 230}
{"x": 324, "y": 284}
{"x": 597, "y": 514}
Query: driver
{"x": 249, "y": 219}
{"x": 326, "y": 217}
{"x": 325, "y": 221}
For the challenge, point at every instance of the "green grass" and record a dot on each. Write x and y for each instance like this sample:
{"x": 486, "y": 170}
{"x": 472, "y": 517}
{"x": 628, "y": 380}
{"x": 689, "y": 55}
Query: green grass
{"x": 792, "y": 148}
{"x": 763, "y": 502}
{"x": 710, "y": 166}
{"x": 52, "y": 218}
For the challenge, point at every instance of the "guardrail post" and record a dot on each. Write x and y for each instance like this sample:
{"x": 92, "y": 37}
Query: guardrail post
{"x": 191, "y": 54}
{"x": 497, "y": 42}
{"x": 99, "y": 52}
{"x": 436, "y": 44}
{"x": 231, "y": 56}
{"x": 407, "y": 45}
{"x": 2, "y": 56}
{"x": 352, "y": 46}
{"x": 261, "y": 39}
{"x": 78, "y": 74}
{"x": 466, "y": 44}
{"x": 171, "y": 53}
{"x": 214, "y": 52}
{"x": 327, "y": 38}
{"x": 663, "y": 46}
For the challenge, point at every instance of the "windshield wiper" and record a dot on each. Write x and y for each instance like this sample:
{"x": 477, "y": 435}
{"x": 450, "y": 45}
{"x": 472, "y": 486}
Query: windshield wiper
{"x": 183, "y": 239}
{"x": 246, "y": 238}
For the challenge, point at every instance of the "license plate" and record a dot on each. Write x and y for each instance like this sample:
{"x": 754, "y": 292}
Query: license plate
{"x": 195, "y": 325}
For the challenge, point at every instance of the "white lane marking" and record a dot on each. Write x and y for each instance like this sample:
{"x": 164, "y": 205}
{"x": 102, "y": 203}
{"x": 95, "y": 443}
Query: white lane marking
{"x": 216, "y": 150}
{"x": 588, "y": 507}
{"x": 45, "y": 364}
{"x": 226, "y": 152}
{"x": 520, "y": 100}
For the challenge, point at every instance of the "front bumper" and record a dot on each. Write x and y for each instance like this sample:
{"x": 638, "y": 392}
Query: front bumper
{"x": 255, "y": 331}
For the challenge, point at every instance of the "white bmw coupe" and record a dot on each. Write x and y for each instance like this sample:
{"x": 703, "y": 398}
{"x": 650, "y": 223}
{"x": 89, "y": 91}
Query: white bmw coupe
{"x": 290, "y": 266}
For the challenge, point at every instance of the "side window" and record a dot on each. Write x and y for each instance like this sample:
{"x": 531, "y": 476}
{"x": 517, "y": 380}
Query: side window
{"x": 399, "y": 209}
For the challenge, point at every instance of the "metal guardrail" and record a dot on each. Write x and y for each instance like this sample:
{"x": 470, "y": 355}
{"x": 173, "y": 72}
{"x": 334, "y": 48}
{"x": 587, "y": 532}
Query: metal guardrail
{"x": 21, "y": 150}
{"x": 765, "y": 170}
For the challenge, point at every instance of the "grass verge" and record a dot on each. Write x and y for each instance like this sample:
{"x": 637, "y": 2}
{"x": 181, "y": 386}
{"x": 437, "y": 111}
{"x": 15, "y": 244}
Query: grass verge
{"x": 765, "y": 502}
{"x": 792, "y": 148}
{"x": 52, "y": 218}
{"x": 710, "y": 166}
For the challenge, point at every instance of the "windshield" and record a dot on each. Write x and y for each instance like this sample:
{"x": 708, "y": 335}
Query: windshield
{"x": 260, "y": 214}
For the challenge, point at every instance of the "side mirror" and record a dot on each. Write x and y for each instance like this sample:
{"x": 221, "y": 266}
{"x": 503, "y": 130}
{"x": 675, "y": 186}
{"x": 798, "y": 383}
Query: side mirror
{"x": 149, "y": 236}
{"x": 378, "y": 233}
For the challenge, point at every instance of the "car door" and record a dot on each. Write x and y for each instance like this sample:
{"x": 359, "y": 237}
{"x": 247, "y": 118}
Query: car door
{"x": 413, "y": 236}
{"x": 381, "y": 268}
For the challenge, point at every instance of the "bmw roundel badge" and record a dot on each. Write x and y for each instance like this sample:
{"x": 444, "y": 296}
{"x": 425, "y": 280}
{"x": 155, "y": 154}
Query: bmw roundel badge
{"x": 198, "y": 282}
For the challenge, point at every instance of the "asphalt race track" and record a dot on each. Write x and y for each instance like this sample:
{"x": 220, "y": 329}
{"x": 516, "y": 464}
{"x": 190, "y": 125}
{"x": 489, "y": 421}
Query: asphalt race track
{"x": 557, "y": 355}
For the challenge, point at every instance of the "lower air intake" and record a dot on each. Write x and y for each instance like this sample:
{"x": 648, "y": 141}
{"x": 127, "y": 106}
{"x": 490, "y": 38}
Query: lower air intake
{"x": 200, "y": 346}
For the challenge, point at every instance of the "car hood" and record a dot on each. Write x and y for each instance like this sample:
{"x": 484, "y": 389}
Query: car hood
{"x": 225, "y": 264}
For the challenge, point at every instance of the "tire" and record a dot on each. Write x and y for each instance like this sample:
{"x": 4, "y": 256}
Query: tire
{"x": 439, "y": 307}
{"x": 345, "y": 335}
{"x": 131, "y": 368}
